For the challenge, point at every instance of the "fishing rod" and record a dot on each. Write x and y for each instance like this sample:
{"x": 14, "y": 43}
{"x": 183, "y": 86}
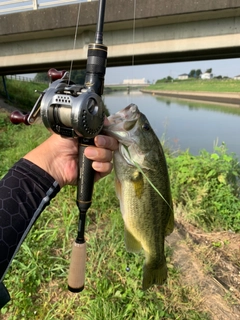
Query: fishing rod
{"x": 73, "y": 110}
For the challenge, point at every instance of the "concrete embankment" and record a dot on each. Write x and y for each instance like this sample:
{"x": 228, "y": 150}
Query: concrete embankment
{"x": 216, "y": 97}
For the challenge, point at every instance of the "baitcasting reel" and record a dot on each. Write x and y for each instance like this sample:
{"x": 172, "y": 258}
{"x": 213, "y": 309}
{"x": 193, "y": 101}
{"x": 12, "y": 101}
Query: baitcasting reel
{"x": 66, "y": 108}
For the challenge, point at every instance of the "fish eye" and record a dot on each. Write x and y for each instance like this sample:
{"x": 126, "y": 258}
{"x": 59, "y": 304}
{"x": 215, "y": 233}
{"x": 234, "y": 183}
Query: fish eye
{"x": 146, "y": 126}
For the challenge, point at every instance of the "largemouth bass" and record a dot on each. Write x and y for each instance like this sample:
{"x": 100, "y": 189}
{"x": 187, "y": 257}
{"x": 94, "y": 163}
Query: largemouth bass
{"x": 147, "y": 214}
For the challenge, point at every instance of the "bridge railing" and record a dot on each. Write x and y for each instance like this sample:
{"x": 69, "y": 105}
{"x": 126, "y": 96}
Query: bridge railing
{"x": 11, "y": 6}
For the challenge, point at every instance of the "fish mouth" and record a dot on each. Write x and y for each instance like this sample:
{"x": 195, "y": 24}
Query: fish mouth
{"x": 122, "y": 122}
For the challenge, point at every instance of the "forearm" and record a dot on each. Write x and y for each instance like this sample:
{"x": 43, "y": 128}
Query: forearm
{"x": 24, "y": 193}
{"x": 33, "y": 181}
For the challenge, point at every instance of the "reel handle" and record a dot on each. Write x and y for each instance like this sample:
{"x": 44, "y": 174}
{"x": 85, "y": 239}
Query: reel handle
{"x": 54, "y": 74}
{"x": 76, "y": 276}
{"x": 18, "y": 117}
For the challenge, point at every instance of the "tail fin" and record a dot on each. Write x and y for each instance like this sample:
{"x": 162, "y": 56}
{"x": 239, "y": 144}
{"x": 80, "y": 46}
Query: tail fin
{"x": 154, "y": 276}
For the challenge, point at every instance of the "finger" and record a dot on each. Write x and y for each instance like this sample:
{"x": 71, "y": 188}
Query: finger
{"x": 98, "y": 154}
{"x": 102, "y": 169}
{"x": 106, "y": 121}
{"x": 102, "y": 141}
{"x": 99, "y": 175}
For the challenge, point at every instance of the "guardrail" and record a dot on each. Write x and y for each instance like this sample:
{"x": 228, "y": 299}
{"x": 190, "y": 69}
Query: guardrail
{"x": 23, "y": 78}
{"x": 11, "y": 6}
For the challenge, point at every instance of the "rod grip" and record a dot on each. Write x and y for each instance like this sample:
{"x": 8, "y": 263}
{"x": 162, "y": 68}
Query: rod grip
{"x": 85, "y": 177}
{"x": 76, "y": 275}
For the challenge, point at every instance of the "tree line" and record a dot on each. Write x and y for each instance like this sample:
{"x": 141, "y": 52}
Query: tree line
{"x": 197, "y": 73}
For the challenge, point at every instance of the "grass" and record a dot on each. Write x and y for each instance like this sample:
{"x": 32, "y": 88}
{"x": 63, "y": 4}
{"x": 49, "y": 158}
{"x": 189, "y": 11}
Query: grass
{"x": 22, "y": 94}
{"x": 207, "y": 187}
{"x": 16, "y": 141}
{"x": 198, "y": 85}
{"x": 37, "y": 279}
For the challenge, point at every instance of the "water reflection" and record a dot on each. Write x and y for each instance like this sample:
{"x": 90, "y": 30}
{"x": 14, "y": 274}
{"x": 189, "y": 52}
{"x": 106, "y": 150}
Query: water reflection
{"x": 184, "y": 124}
{"x": 193, "y": 105}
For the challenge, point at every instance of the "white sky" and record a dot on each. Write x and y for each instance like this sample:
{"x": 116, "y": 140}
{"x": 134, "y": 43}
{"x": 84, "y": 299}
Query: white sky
{"x": 226, "y": 67}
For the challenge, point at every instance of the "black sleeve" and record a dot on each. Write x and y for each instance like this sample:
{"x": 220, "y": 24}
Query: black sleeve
{"x": 4, "y": 295}
{"x": 24, "y": 193}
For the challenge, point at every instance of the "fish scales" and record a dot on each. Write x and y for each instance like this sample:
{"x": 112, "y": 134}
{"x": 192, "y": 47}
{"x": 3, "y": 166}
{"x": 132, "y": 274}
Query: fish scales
{"x": 148, "y": 217}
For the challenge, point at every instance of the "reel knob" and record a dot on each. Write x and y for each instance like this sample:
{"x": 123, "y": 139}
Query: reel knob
{"x": 18, "y": 117}
{"x": 54, "y": 74}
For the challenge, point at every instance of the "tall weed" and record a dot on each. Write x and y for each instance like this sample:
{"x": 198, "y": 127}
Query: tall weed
{"x": 208, "y": 187}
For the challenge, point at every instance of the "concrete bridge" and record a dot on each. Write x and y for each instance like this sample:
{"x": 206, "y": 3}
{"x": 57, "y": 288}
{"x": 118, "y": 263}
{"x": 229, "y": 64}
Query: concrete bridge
{"x": 156, "y": 31}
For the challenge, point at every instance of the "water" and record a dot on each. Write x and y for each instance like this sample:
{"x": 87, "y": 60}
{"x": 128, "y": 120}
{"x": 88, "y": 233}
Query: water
{"x": 184, "y": 124}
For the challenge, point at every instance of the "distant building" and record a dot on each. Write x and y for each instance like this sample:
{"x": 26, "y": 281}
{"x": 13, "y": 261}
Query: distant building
{"x": 236, "y": 77}
{"x": 206, "y": 75}
{"x": 135, "y": 81}
{"x": 183, "y": 76}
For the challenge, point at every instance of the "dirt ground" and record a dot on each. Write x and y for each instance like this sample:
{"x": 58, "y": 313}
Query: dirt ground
{"x": 210, "y": 261}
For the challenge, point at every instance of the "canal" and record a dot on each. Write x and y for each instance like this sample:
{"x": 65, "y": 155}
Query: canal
{"x": 184, "y": 124}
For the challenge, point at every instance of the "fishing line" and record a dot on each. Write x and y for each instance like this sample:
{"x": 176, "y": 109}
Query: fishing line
{"x": 75, "y": 40}
{"x": 148, "y": 180}
{"x": 134, "y": 29}
{"x": 133, "y": 54}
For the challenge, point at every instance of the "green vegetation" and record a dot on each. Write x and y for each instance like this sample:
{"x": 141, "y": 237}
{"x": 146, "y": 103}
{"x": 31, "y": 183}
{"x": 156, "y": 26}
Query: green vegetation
{"x": 204, "y": 187}
{"x": 196, "y": 73}
{"x": 22, "y": 94}
{"x": 197, "y": 85}
{"x": 37, "y": 279}
{"x": 17, "y": 140}
{"x": 114, "y": 89}
{"x": 207, "y": 188}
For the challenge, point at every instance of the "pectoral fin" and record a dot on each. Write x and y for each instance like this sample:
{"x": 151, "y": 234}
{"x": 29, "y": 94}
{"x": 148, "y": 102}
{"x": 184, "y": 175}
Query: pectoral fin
{"x": 132, "y": 245}
{"x": 138, "y": 184}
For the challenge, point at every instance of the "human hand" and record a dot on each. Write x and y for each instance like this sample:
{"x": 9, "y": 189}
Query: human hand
{"x": 59, "y": 157}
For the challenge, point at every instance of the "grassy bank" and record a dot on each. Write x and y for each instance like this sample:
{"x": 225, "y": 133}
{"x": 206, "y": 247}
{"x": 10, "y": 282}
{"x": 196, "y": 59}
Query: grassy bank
{"x": 121, "y": 88}
{"x": 22, "y": 94}
{"x": 114, "y": 89}
{"x": 198, "y": 85}
{"x": 37, "y": 279}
